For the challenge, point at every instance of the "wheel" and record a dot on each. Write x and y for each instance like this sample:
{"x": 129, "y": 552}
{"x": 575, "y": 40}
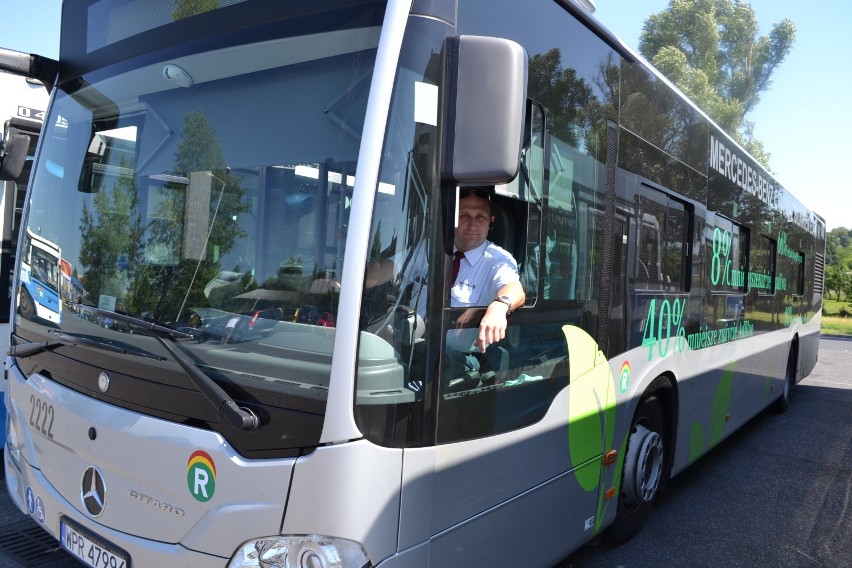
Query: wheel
{"x": 26, "y": 307}
{"x": 782, "y": 404}
{"x": 644, "y": 471}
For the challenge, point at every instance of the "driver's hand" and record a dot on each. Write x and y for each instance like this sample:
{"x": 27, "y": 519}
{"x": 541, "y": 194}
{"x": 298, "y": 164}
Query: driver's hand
{"x": 492, "y": 328}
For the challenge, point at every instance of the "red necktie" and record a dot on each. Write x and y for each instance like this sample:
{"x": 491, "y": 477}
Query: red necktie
{"x": 456, "y": 264}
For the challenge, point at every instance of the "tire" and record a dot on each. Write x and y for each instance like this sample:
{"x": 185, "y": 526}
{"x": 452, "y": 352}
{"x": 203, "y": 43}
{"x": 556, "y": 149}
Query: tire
{"x": 782, "y": 404}
{"x": 644, "y": 471}
{"x": 26, "y": 307}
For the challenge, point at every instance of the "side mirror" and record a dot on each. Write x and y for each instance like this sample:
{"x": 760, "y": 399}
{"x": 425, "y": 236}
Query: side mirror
{"x": 13, "y": 156}
{"x": 484, "y": 104}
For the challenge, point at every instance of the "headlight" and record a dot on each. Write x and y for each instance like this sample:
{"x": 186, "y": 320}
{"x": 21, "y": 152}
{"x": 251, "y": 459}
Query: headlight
{"x": 311, "y": 551}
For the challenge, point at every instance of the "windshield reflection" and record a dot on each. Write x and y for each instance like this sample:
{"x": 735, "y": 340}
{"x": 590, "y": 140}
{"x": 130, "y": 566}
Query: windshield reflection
{"x": 168, "y": 206}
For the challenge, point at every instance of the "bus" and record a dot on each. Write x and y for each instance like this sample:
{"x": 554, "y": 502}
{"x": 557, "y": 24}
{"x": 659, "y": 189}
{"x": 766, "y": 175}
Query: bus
{"x": 40, "y": 279}
{"x": 22, "y": 106}
{"x": 202, "y": 164}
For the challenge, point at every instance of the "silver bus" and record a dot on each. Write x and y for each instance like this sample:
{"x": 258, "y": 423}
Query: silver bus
{"x": 205, "y": 401}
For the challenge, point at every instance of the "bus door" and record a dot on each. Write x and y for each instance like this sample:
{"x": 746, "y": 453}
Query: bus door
{"x": 523, "y": 449}
{"x": 521, "y": 434}
{"x": 795, "y": 285}
{"x": 660, "y": 274}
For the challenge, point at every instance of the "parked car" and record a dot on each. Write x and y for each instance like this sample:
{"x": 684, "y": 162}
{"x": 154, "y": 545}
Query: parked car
{"x": 313, "y": 316}
{"x": 254, "y": 324}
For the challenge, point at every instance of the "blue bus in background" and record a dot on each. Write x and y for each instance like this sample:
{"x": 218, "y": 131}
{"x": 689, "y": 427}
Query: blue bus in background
{"x": 41, "y": 275}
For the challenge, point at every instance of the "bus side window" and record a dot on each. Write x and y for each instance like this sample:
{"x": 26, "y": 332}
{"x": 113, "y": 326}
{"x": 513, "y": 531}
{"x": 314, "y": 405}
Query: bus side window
{"x": 562, "y": 223}
{"x": 763, "y": 262}
{"x": 799, "y": 283}
{"x": 663, "y": 242}
{"x": 532, "y": 167}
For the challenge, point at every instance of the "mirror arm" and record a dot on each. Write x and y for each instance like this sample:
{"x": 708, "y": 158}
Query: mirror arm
{"x": 29, "y": 65}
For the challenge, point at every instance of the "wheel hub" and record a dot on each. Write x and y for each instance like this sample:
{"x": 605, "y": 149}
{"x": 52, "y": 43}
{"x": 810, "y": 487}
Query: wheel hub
{"x": 644, "y": 465}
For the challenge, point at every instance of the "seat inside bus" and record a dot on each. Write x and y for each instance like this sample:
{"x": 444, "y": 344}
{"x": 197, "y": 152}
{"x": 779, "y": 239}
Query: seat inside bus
{"x": 509, "y": 227}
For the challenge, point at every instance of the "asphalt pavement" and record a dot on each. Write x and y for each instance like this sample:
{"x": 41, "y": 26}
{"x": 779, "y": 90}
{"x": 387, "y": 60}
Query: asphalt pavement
{"x": 777, "y": 493}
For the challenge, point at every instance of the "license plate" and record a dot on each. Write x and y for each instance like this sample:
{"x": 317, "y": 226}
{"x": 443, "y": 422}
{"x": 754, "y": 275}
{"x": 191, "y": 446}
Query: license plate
{"x": 89, "y": 548}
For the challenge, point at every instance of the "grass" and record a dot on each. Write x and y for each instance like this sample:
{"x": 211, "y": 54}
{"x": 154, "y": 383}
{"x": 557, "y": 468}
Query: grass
{"x": 832, "y": 322}
{"x": 833, "y": 325}
{"x": 832, "y": 307}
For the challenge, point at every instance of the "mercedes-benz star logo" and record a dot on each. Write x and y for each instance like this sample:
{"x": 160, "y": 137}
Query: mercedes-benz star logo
{"x": 103, "y": 382}
{"x": 93, "y": 493}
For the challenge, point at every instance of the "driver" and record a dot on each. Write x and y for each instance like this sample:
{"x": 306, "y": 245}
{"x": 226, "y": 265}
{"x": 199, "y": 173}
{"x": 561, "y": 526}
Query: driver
{"x": 483, "y": 272}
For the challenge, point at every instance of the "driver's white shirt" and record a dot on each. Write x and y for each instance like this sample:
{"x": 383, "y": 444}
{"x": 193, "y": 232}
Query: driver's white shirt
{"x": 482, "y": 272}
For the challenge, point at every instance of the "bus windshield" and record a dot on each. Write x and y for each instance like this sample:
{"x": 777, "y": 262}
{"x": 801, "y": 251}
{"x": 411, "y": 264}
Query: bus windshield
{"x": 208, "y": 192}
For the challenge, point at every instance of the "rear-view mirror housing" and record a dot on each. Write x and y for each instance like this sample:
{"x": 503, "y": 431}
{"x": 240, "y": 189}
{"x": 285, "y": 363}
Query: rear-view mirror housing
{"x": 484, "y": 103}
{"x": 13, "y": 156}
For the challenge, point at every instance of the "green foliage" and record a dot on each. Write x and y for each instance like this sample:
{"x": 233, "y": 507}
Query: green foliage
{"x": 714, "y": 52}
{"x": 178, "y": 283}
{"x": 831, "y": 307}
{"x": 838, "y": 260}
{"x": 754, "y": 146}
{"x": 160, "y": 266}
{"x": 560, "y": 89}
{"x": 576, "y": 106}
{"x": 111, "y": 237}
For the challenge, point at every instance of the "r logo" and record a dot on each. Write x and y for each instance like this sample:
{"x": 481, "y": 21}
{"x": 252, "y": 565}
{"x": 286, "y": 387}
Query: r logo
{"x": 201, "y": 476}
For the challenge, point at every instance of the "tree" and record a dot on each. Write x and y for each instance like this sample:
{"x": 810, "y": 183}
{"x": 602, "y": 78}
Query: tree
{"x": 838, "y": 263}
{"x": 111, "y": 238}
{"x": 834, "y": 281}
{"x": 569, "y": 98}
{"x": 847, "y": 287}
{"x": 831, "y": 245}
{"x": 177, "y": 281}
{"x": 714, "y": 52}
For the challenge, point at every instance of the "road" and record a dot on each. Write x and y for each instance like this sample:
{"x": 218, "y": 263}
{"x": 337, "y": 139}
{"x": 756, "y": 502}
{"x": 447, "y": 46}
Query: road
{"x": 777, "y": 493}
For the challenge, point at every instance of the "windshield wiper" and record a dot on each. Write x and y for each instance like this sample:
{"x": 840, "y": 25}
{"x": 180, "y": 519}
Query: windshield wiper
{"x": 22, "y": 350}
{"x": 240, "y": 418}
{"x": 32, "y": 348}
{"x": 138, "y": 323}
{"x": 89, "y": 341}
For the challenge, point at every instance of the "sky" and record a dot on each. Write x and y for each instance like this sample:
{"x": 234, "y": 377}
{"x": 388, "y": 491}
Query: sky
{"x": 802, "y": 120}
